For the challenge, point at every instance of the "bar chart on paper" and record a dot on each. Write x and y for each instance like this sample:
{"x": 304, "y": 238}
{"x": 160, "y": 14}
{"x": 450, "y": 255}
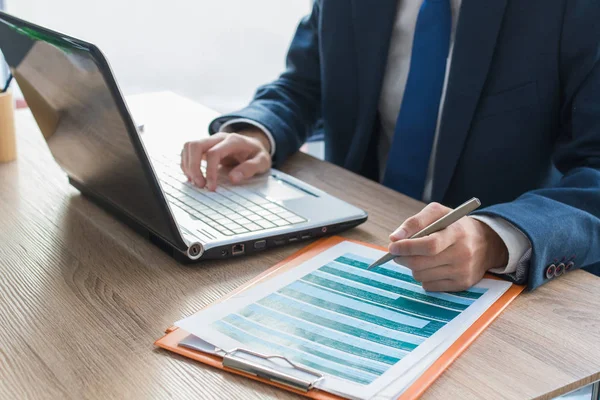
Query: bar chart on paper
{"x": 346, "y": 321}
{"x": 361, "y": 329}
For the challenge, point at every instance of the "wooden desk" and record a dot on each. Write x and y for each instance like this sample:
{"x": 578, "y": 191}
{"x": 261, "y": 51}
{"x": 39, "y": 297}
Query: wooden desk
{"x": 83, "y": 297}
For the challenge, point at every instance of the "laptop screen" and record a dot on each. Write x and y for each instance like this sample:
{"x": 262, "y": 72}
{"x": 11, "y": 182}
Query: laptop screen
{"x": 84, "y": 122}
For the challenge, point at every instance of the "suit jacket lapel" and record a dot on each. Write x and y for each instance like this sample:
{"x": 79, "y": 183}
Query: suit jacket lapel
{"x": 373, "y": 24}
{"x": 475, "y": 41}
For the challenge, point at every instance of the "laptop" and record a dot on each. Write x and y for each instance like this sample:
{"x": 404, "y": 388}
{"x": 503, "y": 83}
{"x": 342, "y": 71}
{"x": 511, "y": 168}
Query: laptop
{"x": 84, "y": 118}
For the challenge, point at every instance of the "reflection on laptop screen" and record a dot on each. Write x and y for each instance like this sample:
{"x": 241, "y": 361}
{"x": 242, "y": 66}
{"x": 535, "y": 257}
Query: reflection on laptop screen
{"x": 81, "y": 121}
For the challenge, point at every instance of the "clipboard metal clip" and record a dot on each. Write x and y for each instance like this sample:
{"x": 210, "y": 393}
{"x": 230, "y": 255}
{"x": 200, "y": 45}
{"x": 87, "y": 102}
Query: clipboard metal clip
{"x": 230, "y": 360}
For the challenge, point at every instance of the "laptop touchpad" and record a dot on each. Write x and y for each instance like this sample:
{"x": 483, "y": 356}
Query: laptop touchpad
{"x": 278, "y": 190}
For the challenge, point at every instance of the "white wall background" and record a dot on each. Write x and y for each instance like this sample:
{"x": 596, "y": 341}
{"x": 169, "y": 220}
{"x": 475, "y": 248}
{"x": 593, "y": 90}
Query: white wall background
{"x": 214, "y": 51}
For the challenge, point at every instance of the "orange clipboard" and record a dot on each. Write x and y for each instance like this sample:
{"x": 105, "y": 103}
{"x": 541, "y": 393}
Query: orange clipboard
{"x": 170, "y": 341}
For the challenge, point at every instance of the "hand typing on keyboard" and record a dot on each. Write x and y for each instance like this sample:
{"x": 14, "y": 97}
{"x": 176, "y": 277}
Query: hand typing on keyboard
{"x": 248, "y": 153}
{"x": 229, "y": 210}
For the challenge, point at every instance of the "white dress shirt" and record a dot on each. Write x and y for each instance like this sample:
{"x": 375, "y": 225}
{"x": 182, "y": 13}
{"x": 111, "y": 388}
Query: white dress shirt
{"x": 392, "y": 93}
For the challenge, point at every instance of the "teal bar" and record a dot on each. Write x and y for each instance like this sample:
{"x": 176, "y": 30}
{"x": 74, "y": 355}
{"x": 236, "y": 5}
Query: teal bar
{"x": 403, "y": 304}
{"x": 467, "y": 294}
{"x": 276, "y": 323}
{"x": 400, "y": 276}
{"x": 290, "y": 302}
{"x": 425, "y": 332}
{"x": 378, "y": 270}
{"x": 401, "y": 284}
{"x": 394, "y": 289}
{"x": 339, "y": 327}
{"x": 268, "y": 348}
{"x": 357, "y": 304}
{"x": 295, "y": 343}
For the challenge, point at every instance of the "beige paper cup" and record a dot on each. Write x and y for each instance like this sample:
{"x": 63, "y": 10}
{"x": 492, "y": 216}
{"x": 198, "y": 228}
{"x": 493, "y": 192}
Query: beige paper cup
{"x": 8, "y": 143}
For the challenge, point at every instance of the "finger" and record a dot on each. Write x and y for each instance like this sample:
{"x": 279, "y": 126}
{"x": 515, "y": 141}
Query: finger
{"x": 227, "y": 147}
{"x": 430, "y": 245}
{"x": 256, "y": 165}
{"x": 422, "y": 263}
{"x": 431, "y": 213}
{"x": 440, "y": 272}
{"x": 195, "y": 151}
{"x": 444, "y": 285}
{"x": 184, "y": 156}
{"x": 188, "y": 159}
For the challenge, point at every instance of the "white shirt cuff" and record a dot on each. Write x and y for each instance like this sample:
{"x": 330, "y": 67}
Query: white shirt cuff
{"x": 518, "y": 245}
{"x": 227, "y": 128}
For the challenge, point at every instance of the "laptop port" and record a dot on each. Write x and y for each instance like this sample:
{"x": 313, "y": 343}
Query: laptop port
{"x": 238, "y": 249}
{"x": 293, "y": 239}
{"x": 260, "y": 244}
{"x": 279, "y": 242}
{"x": 306, "y": 236}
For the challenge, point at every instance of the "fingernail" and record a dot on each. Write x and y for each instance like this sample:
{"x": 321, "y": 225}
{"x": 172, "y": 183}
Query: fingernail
{"x": 236, "y": 176}
{"x": 399, "y": 234}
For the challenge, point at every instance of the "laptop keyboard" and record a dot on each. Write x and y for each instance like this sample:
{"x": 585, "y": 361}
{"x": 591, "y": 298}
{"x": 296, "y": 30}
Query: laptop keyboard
{"x": 230, "y": 210}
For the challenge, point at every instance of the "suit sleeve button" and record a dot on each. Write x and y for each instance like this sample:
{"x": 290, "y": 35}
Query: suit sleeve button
{"x": 560, "y": 269}
{"x": 569, "y": 266}
{"x": 550, "y": 271}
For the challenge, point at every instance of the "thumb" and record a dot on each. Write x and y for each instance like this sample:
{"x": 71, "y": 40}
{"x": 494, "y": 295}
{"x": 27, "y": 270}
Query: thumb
{"x": 256, "y": 165}
{"x": 431, "y": 213}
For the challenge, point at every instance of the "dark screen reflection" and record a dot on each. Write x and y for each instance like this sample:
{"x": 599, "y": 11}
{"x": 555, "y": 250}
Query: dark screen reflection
{"x": 81, "y": 122}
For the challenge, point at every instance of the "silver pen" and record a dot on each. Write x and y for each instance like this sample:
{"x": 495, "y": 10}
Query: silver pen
{"x": 444, "y": 222}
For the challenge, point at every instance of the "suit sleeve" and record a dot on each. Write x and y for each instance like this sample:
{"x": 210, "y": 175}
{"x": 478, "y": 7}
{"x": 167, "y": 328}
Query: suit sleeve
{"x": 289, "y": 107}
{"x": 563, "y": 222}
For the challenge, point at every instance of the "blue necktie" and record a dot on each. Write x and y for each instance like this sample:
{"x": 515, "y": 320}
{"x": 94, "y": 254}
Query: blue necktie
{"x": 408, "y": 159}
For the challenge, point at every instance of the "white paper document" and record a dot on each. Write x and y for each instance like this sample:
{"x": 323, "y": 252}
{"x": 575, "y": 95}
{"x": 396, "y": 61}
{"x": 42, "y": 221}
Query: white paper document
{"x": 369, "y": 333}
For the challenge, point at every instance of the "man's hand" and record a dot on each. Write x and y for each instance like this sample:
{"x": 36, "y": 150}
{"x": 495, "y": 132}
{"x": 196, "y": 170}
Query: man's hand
{"x": 249, "y": 152}
{"x": 452, "y": 259}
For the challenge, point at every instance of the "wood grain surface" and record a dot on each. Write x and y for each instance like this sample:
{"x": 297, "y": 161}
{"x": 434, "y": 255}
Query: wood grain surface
{"x": 83, "y": 297}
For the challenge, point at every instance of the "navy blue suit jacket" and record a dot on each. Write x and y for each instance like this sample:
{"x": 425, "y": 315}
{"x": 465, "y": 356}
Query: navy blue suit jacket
{"x": 521, "y": 121}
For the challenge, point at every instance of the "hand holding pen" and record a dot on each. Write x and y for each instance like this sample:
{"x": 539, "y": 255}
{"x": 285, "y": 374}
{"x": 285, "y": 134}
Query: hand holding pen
{"x": 452, "y": 254}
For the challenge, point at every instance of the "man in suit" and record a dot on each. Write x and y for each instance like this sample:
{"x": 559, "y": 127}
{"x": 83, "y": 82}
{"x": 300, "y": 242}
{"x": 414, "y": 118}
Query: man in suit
{"x": 444, "y": 100}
